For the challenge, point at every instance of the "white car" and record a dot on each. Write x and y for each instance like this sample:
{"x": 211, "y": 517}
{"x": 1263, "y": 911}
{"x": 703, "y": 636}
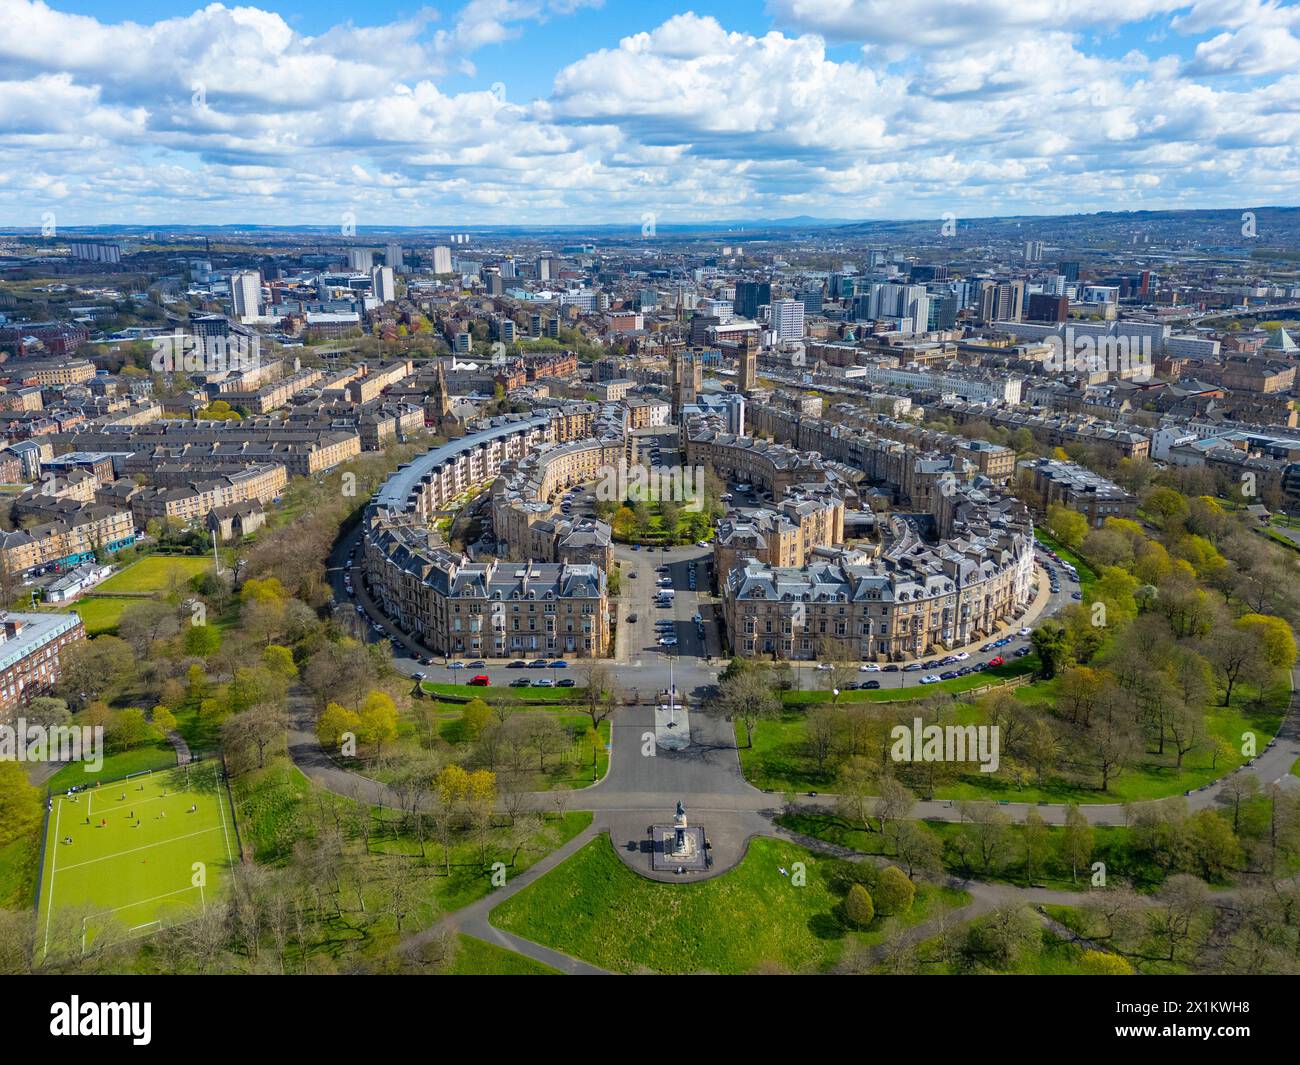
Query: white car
{"x": 1026, "y": 631}
{"x": 824, "y": 665}
{"x": 868, "y": 667}
{"x": 668, "y": 641}
{"x": 930, "y": 678}
{"x": 701, "y": 543}
{"x": 698, "y": 619}
{"x": 961, "y": 656}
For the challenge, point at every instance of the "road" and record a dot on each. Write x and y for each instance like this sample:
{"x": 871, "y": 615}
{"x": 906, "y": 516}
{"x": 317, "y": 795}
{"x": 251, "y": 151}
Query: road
{"x": 645, "y": 781}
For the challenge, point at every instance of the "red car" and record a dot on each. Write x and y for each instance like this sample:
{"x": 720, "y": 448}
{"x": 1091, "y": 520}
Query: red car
{"x": 997, "y": 660}
{"x": 481, "y": 681}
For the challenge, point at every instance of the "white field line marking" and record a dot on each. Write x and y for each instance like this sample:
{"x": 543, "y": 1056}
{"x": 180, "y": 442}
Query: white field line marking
{"x": 147, "y": 846}
{"x": 54, "y": 861}
{"x": 131, "y": 805}
{"x": 140, "y": 902}
{"x": 221, "y": 807}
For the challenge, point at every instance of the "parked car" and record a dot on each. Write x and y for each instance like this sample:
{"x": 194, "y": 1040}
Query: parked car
{"x": 559, "y": 663}
{"x": 929, "y": 678}
{"x": 567, "y": 682}
{"x": 518, "y": 663}
{"x": 455, "y": 665}
{"x": 520, "y": 682}
{"x": 890, "y": 668}
{"x": 961, "y": 656}
{"x": 868, "y": 667}
{"x": 417, "y": 675}
{"x": 544, "y": 682}
{"x": 997, "y": 660}
{"x": 871, "y": 684}
{"x": 537, "y": 663}
{"x": 481, "y": 681}
{"x": 477, "y": 665}
{"x": 631, "y": 618}
{"x": 1026, "y": 631}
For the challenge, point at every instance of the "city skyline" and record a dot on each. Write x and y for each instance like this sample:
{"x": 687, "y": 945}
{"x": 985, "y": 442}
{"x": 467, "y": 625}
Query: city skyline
{"x": 538, "y": 111}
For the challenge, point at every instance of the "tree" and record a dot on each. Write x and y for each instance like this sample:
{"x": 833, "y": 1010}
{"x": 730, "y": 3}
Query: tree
{"x": 88, "y": 668}
{"x": 163, "y": 720}
{"x": 1051, "y": 643}
{"x": 823, "y": 731}
{"x": 256, "y": 729}
{"x": 474, "y": 716}
{"x": 917, "y": 846}
{"x": 278, "y": 661}
{"x": 378, "y": 721}
{"x": 858, "y": 907}
{"x": 46, "y": 711}
{"x": 333, "y": 723}
{"x": 20, "y": 803}
{"x": 1068, "y": 526}
{"x": 202, "y": 640}
{"x": 1077, "y": 842}
{"x": 749, "y": 699}
{"x": 1166, "y": 505}
{"x": 1103, "y": 963}
{"x": 128, "y": 729}
{"x": 144, "y": 623}
{"x": 894, "y": 891}
{"x": 1038, "y": 845}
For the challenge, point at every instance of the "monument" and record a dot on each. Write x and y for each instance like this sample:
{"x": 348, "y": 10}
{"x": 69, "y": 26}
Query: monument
{"x": 680, "y": 847}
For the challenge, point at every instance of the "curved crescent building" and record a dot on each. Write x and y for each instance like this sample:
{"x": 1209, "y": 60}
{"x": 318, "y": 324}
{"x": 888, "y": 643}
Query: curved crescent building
{"x": 456, "y": 607}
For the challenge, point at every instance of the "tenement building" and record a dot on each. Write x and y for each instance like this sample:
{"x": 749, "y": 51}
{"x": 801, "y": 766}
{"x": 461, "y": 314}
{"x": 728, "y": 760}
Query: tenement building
{"x": 496, "y": 608}
{"x": 909, "y": 600}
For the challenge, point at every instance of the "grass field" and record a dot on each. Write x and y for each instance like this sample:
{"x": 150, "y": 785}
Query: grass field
{"x": 160, "y": 755}
{"x": 154, "y": 573}
{"x": 132, "y": 866}
{"x": 474, "y": 957}
{"x": 595, "y": 908}
{"x": 101, "y": 614}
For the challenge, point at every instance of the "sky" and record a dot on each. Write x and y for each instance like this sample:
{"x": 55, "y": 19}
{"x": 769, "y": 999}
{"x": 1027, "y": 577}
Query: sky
{"x": 615, "y": 111}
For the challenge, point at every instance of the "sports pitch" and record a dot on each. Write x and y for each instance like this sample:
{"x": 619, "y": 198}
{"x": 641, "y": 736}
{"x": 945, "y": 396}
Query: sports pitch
{"x": 131, "y": 866}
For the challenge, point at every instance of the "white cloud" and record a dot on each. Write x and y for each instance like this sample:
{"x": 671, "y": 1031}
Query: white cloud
{"x": 230, "y": 114}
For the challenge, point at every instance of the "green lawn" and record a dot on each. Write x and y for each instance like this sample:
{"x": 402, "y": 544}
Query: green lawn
{"x": 130, "y": 868}
{"x": 1017, "y": 667}
{"x": 505, "y": 693}
{"x": 780, "y": 759}
{"x": 159, "y": 755}
{"x": 1110, "y": 845}
{"x": 155, "y": 573}
{"x": 474, "y": 957}
{"x": 595, "y": 908}
{"x": 100, "y": 614}
{"x": 277, "y": 809}
{"x": 19, "y": 860}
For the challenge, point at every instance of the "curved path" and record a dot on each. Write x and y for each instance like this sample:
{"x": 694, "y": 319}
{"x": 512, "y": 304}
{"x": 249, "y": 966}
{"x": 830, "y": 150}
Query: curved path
{"x": 641, "y": 789}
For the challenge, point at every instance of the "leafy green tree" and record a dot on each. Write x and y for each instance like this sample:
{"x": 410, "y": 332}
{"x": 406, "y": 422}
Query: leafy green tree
{"x": 894, "y": 891}
{"x": 858, "y": 907}
{"x": 20, "y": 803}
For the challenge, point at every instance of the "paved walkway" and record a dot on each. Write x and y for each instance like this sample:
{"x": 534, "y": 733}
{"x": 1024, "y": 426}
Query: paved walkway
{"x": 641, "y": 789}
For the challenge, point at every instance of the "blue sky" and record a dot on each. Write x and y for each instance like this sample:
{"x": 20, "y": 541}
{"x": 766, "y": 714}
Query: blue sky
{"x": 577, "y": 110}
